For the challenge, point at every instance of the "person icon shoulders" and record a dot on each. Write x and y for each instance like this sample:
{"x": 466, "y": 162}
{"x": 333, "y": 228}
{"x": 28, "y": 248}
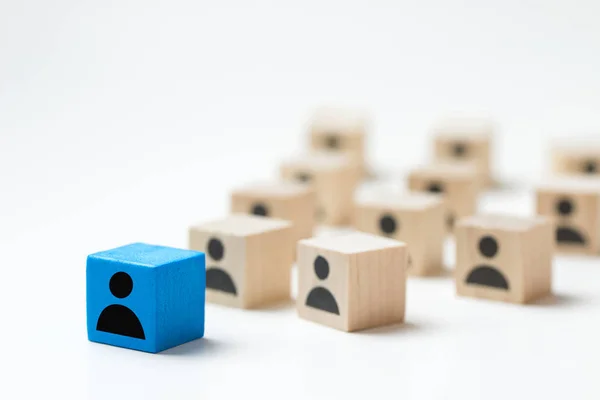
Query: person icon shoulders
{"x": 117, "y": 318}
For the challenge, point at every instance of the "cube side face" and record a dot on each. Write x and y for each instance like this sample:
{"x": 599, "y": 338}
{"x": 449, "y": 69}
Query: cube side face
{"x": 490, "y": 263}
{"x": 180, "y": 301}
{"x": 464, "y": 149}
{"x": 323, "y": 286}
{"x": 419, "y": 229}
{"x": 576, "y": 217}
{"x": 538, "y": 267}
{"x": 225, "y": 265}
{"x": 128, "y": 320}
{"x": 377, "y": 288}
{"x": 269, "y": 260}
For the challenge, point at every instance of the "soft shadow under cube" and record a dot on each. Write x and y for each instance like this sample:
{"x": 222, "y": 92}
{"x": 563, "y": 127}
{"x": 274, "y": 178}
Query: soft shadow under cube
{"x": 504, "y": 258}
{"x": 340, "y": 130}
{"x": 466, "y": 140}
{"x": 418, "y": 219}
{"x": 575, "y": 159}
{"x": 290, "y": 201}
{"x": 351, "y": 281}
{"x": 145, "y": 297}
{"x": 457, "y": 183}
{"x": 334, "y": 178}
{"x": 574, "y": 205}
{"x": 249, "y": 259}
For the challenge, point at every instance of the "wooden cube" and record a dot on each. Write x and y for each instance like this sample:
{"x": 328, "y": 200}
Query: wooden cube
{"x": 351, "y": 281}
{"x": 574, "y": 205}
{"x": 575, "y": 159}
{"x": 466, "y": 141}
{"x": 334, "y": 179}
{"x": 418, "y": 219}
{"x": 339, "y": 130}
{"x": 504, "y": 258}
{"x": 456, "y": 183}
{"x": 248, "y": 259}
{"x": 290, "y": 201}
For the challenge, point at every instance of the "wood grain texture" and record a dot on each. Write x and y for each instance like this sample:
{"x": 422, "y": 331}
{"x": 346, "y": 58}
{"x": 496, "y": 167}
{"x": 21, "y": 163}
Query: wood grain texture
{"x": 418, "y": 219}
{"x": 258, "y": 255}
{"x": 366, "y": 278}
{"x": 334, "y": 178}
{"x": 574, "y": 205}
{"x": 290, "y": 201}
{"x": 457, "y": 184}
{"x": 523, "y": 257}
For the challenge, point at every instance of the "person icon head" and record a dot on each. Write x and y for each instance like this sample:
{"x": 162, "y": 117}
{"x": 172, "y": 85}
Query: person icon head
{"x": 117, "y": 318}
{"x": 319, "y": 297}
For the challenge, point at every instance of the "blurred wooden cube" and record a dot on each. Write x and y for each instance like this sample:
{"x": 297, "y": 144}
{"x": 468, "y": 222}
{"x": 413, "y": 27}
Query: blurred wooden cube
{"x": 418, "y": 219}
{"x": 457, "y": 183}
{"x": 290, "y": 201}
{"x": 340, "y": 130}
{"x": 333, "y": 177}
{"x": 574, "y": 204}
{"x": 467, "y": 140}
{"x": 575, "y": 159}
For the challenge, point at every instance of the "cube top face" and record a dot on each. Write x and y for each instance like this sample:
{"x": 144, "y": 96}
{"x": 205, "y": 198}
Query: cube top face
{"x": 144, "y": 255}
{"x": 352, "y": 243}
{"x": 131, "y": 301}
{"x": 411, "y": 201}
{"x": 347, "y": 289}
{"x": 575, "y": 208}
{"x": 507, "y": 223}
{"x": 571, "y": 184}
{"x": 282, "y": 189}
{"x": 494, "y": 254}
{"x": 242, "y": 225}
{"x": 471, "y": 130}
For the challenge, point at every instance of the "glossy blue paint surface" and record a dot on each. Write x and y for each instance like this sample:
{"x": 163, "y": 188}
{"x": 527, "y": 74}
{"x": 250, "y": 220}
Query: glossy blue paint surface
{"x": 168, "y": 294}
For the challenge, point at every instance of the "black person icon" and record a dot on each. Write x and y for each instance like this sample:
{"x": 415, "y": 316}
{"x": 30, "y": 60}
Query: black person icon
{"x": 566, "y": 234}
{"x": 319, "y": 297}
{"x": 117, "y": 318}
{"x": 217, "y": 278}
{"x": 504, "y": 257}
{"x": 487, "y": 275}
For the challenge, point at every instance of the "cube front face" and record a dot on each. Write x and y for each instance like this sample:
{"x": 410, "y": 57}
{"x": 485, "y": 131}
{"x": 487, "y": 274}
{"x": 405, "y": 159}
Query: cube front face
{"x": 465, "y": 149}
{"x": 422, "y": 230}
{"x": 350, "y": 290}
{"x": 323, "y": 281}
{"x": 490, "y": 263}
{"x": 333, "y": 188}
{"x": 336, "y": 141}
{"x": 226, "y": 266}
{"x": 300, "y": 209}
{"x": 460, "y": 196}
{"x": 132, "y": 305}
{"x": 575, "y": 164}
{"x": 577, "y": 220}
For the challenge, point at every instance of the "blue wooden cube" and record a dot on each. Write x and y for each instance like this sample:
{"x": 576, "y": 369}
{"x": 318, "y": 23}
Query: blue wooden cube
{"x": 145, "y": 297}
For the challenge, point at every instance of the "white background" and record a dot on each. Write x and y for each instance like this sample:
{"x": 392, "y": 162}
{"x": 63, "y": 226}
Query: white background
{"x": 128, "y": 120}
